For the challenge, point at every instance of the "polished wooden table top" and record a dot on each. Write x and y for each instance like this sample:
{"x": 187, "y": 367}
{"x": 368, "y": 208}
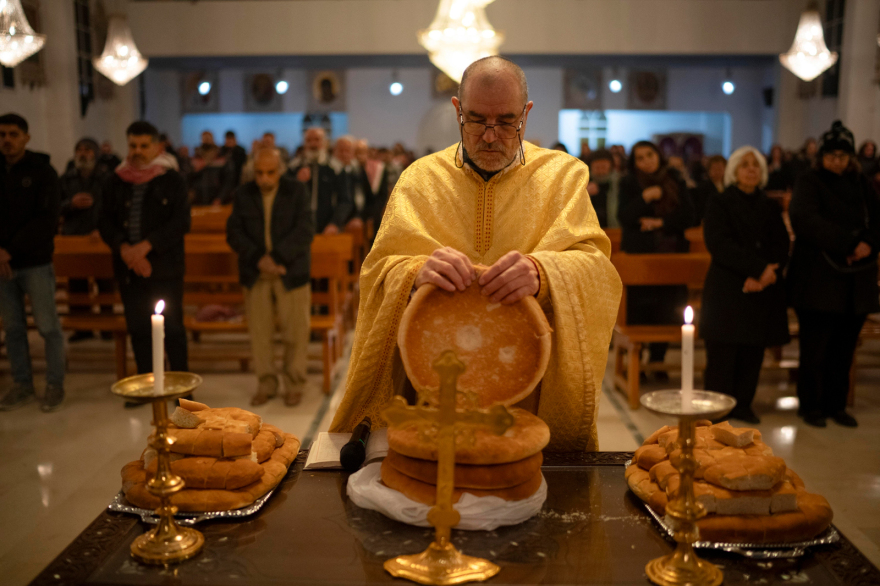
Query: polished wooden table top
{"x": 592, "y": 530}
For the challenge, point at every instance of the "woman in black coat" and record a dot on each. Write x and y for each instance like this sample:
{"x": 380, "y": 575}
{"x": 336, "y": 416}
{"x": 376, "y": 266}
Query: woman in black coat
{"x": 744, "y": 307}
{"x": 654, "y": 210}
{"x": 835, "y": 214}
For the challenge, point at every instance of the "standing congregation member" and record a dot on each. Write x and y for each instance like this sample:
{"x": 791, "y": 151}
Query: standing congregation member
{"x": 654, "y": 211}
{"x": 29, "y": 204}
{"x": 145, "y": 215}
{"x": 835, "y": 214}
{"x": 604, "y": 187}
{"x": 744, "y": 306}
{"x": 80, "y": 205}
{"x": 234, "y": 153}
{"x": 374, "y": 183}
{"x": 708, "y": 188}
{"x": 349, "y": 175}
{"x": 537, "y": 232}
{"x": 330, "y": 208}
{"x": 271, "y": 230}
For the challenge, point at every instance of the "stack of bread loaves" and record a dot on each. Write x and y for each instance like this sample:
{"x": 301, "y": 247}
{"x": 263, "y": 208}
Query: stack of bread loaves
{"x": 749, "y": 494}
{"x": 227, "y": 457}
{"x": 505, "y": 350}
{"x": 506, "y": 466}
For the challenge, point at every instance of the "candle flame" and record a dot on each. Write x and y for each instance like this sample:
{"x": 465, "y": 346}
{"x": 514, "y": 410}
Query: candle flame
{"x": 689, "y": 315}
{"x": 160, "y": 307}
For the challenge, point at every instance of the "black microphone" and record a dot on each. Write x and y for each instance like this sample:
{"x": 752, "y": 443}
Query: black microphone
{"x": 353, "y": 454}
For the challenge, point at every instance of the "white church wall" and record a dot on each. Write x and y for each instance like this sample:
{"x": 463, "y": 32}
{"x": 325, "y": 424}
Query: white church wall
{"x": 53, "y": 109}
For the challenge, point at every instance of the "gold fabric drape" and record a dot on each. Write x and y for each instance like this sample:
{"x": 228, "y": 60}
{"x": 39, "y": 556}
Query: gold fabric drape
{"x": 541, "y": 209}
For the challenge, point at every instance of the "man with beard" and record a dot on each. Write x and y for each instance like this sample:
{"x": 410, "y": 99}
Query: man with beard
{"x": 330, "y": 208}
{"x": 80, "y": 207}
{"x": 521, "y": 210}
{"x": 29, "y": 202}
{"x": 145, "y": 214}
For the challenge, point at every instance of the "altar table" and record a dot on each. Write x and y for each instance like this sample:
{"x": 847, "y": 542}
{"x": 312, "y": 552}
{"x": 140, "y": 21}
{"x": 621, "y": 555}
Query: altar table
{"x": 592, "y": 530}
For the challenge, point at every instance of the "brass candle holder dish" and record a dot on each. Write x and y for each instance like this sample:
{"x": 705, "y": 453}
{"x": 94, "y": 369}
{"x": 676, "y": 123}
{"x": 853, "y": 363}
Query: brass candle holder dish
{"x": 683, "y": 566}
{"x": 442, "y": 563}
{"x": 167, "y": 542}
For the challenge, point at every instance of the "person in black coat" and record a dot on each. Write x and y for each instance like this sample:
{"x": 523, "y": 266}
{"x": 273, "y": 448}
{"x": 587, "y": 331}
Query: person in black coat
{"x": 654, "y": 210}
{"x": 271, "y": 230}
{"x": 835, "y": 214}
{"x": 331, "y": 208}
{"x": 145, "y": 215}
{"x": 29, "y": 204}
{"x": 744, "y": 306}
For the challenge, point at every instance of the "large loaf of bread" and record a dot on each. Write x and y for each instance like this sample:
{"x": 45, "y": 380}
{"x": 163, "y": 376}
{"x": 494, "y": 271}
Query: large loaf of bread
{"x": 749, "y": 494}
{"x": 226, "y": 457}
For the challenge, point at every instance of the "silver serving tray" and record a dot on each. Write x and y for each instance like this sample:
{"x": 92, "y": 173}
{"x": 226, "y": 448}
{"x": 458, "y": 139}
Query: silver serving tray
{"x": 759, "y": 551}
{"x": 120, "y": 505}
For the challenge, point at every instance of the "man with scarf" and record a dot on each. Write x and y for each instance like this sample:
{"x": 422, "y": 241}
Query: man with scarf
{"x": 524, "y": 211}
{"x": 29, "y": 199}
{"x": 330, "y": 206}
{"x": 144, "y": 217}
{"x": 80, "y": 205}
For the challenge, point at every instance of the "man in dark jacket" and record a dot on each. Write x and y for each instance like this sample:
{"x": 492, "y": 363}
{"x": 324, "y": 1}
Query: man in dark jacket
{"x": 144, "y": 217}
{"x": 271, "y": 230}
{"x": 330, "y": 207}
{"x": 29, "y": 200}
{"x": 80, "y": 206}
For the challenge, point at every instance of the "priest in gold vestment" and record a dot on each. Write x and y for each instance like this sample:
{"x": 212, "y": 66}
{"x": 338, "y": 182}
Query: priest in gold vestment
{"x": 524, "y": 211}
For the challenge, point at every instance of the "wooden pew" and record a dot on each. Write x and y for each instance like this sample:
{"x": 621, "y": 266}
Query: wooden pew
{"x": 648, "y": 269}
{"x": 83, "y": 257}
{"x": 210, "y": 219}
{"x": 327, "y": 265}
{"x": 693, "y": 235}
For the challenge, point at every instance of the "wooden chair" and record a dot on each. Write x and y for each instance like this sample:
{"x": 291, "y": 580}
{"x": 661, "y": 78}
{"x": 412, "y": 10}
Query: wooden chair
{"x": 648, "y": 269}
{"x": 209, "y": 219}
{"x": 83, "y": 257}
{"x": 326, "y": 265}
{"x": 343, "y": 245}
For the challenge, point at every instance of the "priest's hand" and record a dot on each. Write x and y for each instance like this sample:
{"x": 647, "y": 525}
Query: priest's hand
{"x": 512, "y": 278}
{"x": 448, "y": 269}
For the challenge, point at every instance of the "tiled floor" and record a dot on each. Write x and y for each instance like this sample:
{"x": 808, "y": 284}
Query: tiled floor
{"x": 59, "y": 470}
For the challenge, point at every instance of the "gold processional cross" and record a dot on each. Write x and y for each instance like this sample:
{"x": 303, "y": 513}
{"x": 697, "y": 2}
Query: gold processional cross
{"x": 441, "y": 563}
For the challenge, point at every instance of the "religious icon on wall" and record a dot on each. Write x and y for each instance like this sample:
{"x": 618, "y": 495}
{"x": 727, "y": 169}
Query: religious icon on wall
{"x": 442, "y": 86}
{"x": 260, "y": 94}
{"x": 194, "y": 101}
{"x": 582, "y": 89}
{"x": 328, "y": 91}
{"x": 647, "y": 90}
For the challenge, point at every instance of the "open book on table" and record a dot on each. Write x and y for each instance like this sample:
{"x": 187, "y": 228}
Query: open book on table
{"x": 324, "y": 453}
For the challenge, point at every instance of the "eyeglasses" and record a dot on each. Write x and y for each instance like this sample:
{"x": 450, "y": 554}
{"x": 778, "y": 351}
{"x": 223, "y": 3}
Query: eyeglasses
{"x": 838, "y": 155}
{"x": 502, "y": 130}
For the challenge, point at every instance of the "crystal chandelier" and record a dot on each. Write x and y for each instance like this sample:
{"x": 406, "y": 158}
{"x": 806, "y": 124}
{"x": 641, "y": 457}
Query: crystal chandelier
{"x": 18, "y": 41}
{"x": 459, "y": 35}
{"x": 121, "y": 61}
{"x": 808, "y": 56}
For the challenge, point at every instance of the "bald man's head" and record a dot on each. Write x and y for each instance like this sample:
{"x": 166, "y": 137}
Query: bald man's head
{"x": 493, "y": 71}
{"x": 267, "y": 169}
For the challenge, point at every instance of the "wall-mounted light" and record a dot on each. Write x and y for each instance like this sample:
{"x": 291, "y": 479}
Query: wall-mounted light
{"x": 281, "y": 87}
{"x": 205, "y": 88}
{"x": 615, "y": 85}
{"x": 728, "y": 87}
{"x": 396, "y": 88}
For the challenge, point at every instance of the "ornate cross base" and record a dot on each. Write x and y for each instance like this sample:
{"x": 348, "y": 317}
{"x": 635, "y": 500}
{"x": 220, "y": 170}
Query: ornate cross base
{"x": 441, "y": 565}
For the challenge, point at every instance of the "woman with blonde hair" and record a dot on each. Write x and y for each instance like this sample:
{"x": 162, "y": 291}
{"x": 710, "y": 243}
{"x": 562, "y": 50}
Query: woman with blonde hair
{"x": 744, "y": 305}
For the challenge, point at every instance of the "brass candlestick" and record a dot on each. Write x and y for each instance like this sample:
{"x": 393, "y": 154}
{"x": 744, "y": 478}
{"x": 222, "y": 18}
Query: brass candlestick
{"x": 683, "y": 566}
{"x": 167, "y": 542}
{"x": 442, "y": 563}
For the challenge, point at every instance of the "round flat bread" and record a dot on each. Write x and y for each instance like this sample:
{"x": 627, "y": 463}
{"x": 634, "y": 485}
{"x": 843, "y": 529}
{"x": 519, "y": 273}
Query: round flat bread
{"x": 812, "y": 518}
{"x": 425, "y": 493}
{"x": 526, "y": 437}
{"x": 505, "y": 348}
{"x": 488, "y": 477}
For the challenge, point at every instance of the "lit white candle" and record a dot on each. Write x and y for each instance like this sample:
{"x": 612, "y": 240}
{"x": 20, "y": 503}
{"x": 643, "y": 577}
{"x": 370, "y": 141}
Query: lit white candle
{"x": 687, "y": 359}
{"x": 158, "y": 321}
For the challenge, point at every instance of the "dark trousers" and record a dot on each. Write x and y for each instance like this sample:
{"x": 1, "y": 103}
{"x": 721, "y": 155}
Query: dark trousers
{"x": 733, "y": 369}
{"x": 827, "y": 343}
{"x": 139, "y": 296}
{"x": 652, "y": 305}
